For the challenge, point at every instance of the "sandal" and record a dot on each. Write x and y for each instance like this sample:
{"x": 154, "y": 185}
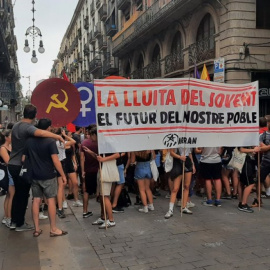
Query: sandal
{"x": 37, "y": 233}
{"x": 58, "y": 234}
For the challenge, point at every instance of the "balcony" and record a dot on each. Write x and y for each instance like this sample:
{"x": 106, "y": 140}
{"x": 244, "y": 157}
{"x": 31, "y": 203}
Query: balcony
{"x": 95, "y": 64}
{"x": 174, "y": 62}
{"x": 111, "y": 29}
{"x": 97, "y": 30}
{"x": 102, "y": 43}
{"x": 103, "y": 13}
{"x": 92, "y": 8}
{"x": 151, "y": 21}
{"x": 138, "y": 74}
{"x": 152, "y": 70}
{"x": 4, "y": 56}
{"x": 92, "y": 39}
{"x": 98, "y": 4}
{"x": 86, "y": 23}
{"x": 79, "y": 33}
{"x": 109, "y": 67}
{"x": 123, "y": 4}
{"x": 202, "y": 50}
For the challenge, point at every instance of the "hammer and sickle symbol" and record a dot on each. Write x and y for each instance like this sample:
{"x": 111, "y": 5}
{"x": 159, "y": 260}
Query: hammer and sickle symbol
{"x": 58, "y": 104}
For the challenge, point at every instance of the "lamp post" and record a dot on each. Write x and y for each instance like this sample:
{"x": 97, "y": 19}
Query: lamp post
{"x": 29, "y": 92}
{"x": 33, "y": 32}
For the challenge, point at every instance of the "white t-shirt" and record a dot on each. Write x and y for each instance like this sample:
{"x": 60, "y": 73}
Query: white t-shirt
{"x": 61, "y": 150}
{"x": 184, "y": 151}
{"x": 210, "y": 155}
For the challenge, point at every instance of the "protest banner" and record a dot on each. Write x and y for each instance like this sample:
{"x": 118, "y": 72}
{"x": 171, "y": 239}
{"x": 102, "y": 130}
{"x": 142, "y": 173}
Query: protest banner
{"x": 137, "y": 115}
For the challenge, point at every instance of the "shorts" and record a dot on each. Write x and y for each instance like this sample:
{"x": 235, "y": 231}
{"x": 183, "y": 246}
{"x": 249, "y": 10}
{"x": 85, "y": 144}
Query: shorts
{"x": 121, "y": 174}
{"x": 248, "y": 174}
{"x": 48, "y": 188}
{"x": 69, "y": 166}
{"x": 265, "y": 169}
{"x": 10, "y": 179}
{"x": 210, "y": 170}
{"x": 63, "y": 163}
{"x": 177, "y": 169}
{"x": 227, "y": 167}
{"x": 91, "y": 182}
{"x": 105, "y": 188}
{"x": 143, "y": 170}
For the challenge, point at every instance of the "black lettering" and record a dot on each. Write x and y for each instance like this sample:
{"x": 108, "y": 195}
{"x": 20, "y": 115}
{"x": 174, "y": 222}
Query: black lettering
{"x": 136, "y": 118}
{"x": 202, "y": 119}
{"x": 171, "y": 117}
{"x": 163, "y": 117}
{"x": 145, "y": 119}
{"x": 101, "y": 119}
{"x": 152, "y": 118}
{"x": 108, "y": 123}
{"x": 186, "y": 116}
{"x": 229, "y": 117}
{"x": 127, "y": 118}
{"x": 119, "y": 117}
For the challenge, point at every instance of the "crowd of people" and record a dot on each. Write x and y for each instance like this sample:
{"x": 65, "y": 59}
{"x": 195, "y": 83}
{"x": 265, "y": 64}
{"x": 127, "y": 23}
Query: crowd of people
{"x": 59, "y": 158}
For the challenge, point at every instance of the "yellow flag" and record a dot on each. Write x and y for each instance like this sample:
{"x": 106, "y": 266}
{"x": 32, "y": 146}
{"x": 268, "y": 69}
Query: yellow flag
{"x": 205, "y": 74}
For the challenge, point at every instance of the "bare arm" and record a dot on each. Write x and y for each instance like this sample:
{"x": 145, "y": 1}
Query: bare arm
{"x": 48, "y": 134}
{"x": 4, "y": 154}
{"x": 58, "y": 166}
{"x": 82, "y": 159}
{"x": 69, "y": 140}
{"x": 264, "y": 148}
{"x": 247, "y": 150}
{"x": 174, "y": 155}
{"x": 112, "y": 157}
{"x": 90, "y": 152}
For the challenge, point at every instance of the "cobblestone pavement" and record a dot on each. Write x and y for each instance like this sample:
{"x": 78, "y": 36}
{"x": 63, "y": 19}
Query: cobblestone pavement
{"x": 212, "y": 238}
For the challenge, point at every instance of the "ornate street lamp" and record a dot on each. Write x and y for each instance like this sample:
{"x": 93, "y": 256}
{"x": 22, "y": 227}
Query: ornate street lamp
{"x": 33, "y": 32}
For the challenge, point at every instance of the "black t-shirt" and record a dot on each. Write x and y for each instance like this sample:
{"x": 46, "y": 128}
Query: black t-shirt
{"x": 39, "y": 151}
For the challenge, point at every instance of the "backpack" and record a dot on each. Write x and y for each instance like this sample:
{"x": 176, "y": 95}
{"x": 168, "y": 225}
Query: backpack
{"x": 124, "y": 199}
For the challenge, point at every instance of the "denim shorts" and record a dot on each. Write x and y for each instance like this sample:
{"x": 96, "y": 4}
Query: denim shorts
{"x": 121, "y": 174}
{"x": 143, "y": 170}
{"x": 10, "y": 180}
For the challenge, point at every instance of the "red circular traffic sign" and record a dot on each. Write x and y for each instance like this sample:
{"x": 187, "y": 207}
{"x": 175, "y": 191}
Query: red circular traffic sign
{"x": 58, "y": 100}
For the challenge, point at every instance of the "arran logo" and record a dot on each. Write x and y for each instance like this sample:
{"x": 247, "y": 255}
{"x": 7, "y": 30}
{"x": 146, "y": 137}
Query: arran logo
{"x": 171, "y": 140}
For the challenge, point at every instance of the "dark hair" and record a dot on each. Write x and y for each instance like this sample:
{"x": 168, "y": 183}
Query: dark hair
{"x": 93, "y": 131}
{"x": 44, "y": 123}
{"x": 267, "y": 118}
{"x": 77, "y": 128}
{"x": 30, "y": 111}
{"x": 2, "y": 138}
{"x": 10, "y": 125}
{"x": 262, "y": 122}
{"x": 6, "y": 132}
{"x": 58, "y": 131}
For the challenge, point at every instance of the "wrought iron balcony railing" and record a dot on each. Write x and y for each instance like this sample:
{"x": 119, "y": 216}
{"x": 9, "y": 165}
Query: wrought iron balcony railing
{"x": 202, "y": 50}
{"x": 95, "y": 64}
{"x": 92, "y": 39}
{"x": 173, "y": 62}
{"x": 102, "y": 43}
{"x": 152, "y": 70}
{"x": 109, "y": 67}
{"x": 97, "y": 30}
{"x": 92, "y": 8}
{"x": 138, "y": 74}
{"x": 103, "y": 12}
{"x": 122, "y": 4}
{"x": 110, "y": 29}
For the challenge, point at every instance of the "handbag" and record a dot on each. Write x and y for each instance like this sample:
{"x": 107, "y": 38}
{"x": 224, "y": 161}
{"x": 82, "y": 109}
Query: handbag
{"x": 238, "y": 160}
{"x": 4, "y": 179}
{"x": 168, "y": 164}
{"x": 154, "y": 169}
{"x": 26, "y": 173}
{"x": 109, "y": 172}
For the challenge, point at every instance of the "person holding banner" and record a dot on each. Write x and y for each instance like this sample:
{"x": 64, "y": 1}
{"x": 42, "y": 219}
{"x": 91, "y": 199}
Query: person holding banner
{"x": 143, "y": 175}
{"x": 210, "y": 167}
{"x": 180, "y": 155}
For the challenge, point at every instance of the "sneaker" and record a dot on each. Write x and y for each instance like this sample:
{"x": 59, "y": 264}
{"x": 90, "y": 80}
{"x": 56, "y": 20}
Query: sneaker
{"x": 187, "y": 211}
{"x": 157, "y": 193}
{"x": 24, "y": 227}
{"x": 168, "y": 196}
{"x": 226, "y": 197}
{"x": 4, "y": 220}
{"x": 88, "y": 214}
{"x": 256, "y": 203}
{"x": 70, "y": 196}
{"x": 151, "y": 207}
{"x": 143, "y": 210}
{"x": 8, "y": 222}
{"x": 99, "y": 221}
{"x": 60, "y": 213}
{"x": 154, "y": 197}
{"x": 217, "y": 203}
{"x": 65, "y": 206}
{"x": 45, "y": 207}
{"x": 108, "y": 223}
{"x": 190, "y": 205}
{"x": 117, "y": 209}
{"x": 42, "y": 216}
{"x": 234, "y": 197}
{"x": 12, "y": 226}
{"x": 208, "y": 203}
{"x": 77, "y": 204}
{"x": 179, "y": 203}
{"x": 245, "y": 208}
{"x": 169, "y": 214}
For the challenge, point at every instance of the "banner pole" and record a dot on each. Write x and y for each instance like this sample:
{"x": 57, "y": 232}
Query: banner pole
{"x": 103, "y": 199}
{"x": 259, "y": 180}
{"x": 183, "y": 179}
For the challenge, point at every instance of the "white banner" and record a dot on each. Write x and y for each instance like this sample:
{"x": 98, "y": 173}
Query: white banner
{"x": 137, "y": 115}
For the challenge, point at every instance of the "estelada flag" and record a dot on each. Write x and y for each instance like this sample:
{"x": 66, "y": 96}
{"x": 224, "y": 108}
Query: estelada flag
{"x": 205, "y": 74}
{"x": 64, "y": 75}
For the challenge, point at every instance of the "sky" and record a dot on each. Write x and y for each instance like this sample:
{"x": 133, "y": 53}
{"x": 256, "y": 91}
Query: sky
{"x": 52, "y": 18}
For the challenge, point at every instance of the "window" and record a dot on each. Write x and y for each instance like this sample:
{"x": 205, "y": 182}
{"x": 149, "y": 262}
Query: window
{"x": 156, "y": 54}
{"x": 263, "y": 14}
{"x": 177, "y": 44}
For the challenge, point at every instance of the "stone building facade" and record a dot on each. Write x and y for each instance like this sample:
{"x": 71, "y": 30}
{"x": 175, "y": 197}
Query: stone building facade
{"x": 168, "y": 38}
{"x": 10, "y": 88}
